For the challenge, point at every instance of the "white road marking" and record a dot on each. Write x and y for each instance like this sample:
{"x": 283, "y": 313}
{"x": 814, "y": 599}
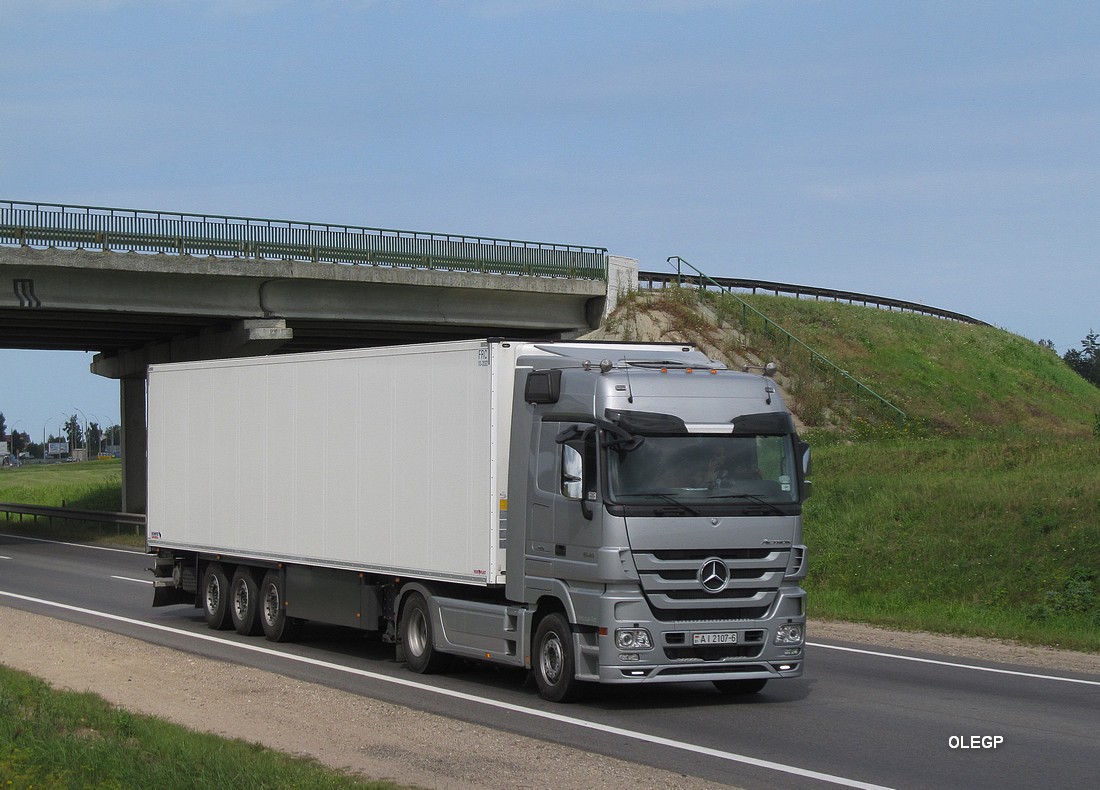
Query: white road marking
{"x": 409, "y": 683}
{"x": 954, "y": 665}
{"x": 136, "y": 581}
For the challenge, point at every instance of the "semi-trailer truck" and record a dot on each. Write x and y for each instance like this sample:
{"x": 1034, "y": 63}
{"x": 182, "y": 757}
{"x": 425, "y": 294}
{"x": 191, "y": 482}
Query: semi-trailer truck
{"x": 624, "y": 513}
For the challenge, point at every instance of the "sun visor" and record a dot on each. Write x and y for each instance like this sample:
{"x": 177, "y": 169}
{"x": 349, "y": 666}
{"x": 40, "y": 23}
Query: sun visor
{"x": 647, "y": 423}
{"x": 769, "y": 422}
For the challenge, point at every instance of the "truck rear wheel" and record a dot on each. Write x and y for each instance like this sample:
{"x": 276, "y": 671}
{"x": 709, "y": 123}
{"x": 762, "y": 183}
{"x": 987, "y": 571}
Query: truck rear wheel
{"x": 277, "y": 626}
{"x": 554, "y": 666}
{"x": 215, "y": 597}
{"x": 740, "y": 686}
{"x": 416, "y": 638}
{"x": 244, "y": 603}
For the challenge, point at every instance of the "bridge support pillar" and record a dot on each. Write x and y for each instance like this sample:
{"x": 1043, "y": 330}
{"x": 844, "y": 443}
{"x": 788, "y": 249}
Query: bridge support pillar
{"x": 135, "y": 486}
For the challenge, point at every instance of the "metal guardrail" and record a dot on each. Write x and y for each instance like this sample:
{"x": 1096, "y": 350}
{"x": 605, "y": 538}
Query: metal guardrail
{"x": 136, "y": 520}
{"x": 828, "y": 367}
{"x": 134, "y": 230}
{"x": 852, "y": 297}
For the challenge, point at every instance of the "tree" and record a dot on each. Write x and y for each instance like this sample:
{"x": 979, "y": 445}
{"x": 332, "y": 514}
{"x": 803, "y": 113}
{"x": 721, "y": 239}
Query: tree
{"x": 95, "y": 439}
{"x": 1086, "y": 361}
{"x": 19, "y": 442}
{"x": 74, "y": 432}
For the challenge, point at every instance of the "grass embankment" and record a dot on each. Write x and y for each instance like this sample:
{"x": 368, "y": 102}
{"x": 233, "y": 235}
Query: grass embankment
{"x": 64, "y": 739}
{"x": 979, "y": 515}
{"x": 88, "y": 485}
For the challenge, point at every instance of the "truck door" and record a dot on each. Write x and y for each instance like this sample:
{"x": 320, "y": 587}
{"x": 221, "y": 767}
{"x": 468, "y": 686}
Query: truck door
{"x": 564, "y": 503}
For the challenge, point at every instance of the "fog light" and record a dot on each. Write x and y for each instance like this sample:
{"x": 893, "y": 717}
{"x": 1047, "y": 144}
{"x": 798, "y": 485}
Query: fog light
{"x": 789, "y": 634}
{"x": 633, "y": 639}
{"x": 629, "y": 657}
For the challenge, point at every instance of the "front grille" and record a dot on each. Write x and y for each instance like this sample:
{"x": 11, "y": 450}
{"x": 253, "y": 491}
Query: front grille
{"x": 698, "y": 555}
{"x": 670, "y": 582}
{"x": 717, "y": 615}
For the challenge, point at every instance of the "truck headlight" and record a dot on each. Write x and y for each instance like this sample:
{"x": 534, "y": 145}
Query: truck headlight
{"x": 789, "y": 634}
{"x": 633, "y": 639}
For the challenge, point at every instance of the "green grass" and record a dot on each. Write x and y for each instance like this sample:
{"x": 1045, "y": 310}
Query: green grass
{"x": 60, "y": 739}
{"x": 88, "y": 485}
{"x": 966, "y": 536}
{"x": 92, "y": 485}
{"x": 951, "y": 379}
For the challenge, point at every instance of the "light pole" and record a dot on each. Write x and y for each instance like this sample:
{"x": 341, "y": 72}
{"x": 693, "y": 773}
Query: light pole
{"x": 102, "y": 434}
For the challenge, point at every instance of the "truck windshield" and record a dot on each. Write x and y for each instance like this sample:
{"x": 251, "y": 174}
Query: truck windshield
{"x": 704, "y": 469}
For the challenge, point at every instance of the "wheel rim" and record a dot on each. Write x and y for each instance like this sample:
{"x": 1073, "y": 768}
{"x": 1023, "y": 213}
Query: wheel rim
{"x": 213, "y": 594}
{"x": 417, "y": 637}
{"x": 240, "y": 600}
{"x": 552, "y": 659}
{"x": 271, "y": 605}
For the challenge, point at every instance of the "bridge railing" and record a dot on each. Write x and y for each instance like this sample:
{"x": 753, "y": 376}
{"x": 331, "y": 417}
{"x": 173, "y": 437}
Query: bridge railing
{"x": 653, "y": 279}
{"x": 124, "y": 230}
{"x": 752, "y": 318}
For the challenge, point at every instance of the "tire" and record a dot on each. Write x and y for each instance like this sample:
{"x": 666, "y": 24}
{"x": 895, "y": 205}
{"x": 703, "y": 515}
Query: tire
{"x": 244, "y": 603}
{"x": 554, "y": 665}
{"x": 215, "y": 597}
{"x": 740, "y": 687}
{"x": 416, "y": 638}
{"x": 276, "y": 625}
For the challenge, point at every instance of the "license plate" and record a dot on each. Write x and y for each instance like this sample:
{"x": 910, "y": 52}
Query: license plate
{"x": 715, "y": 638}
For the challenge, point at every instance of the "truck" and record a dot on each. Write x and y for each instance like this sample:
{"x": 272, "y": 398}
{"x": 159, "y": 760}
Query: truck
{"x": 591, "y": 512}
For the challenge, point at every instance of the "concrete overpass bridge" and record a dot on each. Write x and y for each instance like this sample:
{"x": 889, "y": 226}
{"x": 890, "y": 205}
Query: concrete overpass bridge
{"x": 144, "y": 287}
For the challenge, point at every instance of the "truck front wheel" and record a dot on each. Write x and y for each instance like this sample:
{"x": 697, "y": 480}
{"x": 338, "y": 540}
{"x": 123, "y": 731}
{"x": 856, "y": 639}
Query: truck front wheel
{"x": 554, "y": 666}
{"x": 215, "y": 597}
{"x": 416, "y": 638}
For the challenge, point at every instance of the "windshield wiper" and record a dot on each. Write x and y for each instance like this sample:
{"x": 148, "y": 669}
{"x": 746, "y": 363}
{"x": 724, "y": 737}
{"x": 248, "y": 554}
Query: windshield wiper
{"x": 670, "y": 499}
{"x": 776, "y": 510}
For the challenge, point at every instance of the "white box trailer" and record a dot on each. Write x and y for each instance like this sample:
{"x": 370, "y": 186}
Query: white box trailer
{"x": 593, "y": 512}
{"x": 392, "y": 460}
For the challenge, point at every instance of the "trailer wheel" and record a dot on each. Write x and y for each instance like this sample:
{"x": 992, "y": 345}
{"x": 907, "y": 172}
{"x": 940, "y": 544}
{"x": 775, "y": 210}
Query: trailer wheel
{"x": 554, "y": 667}
{"x": 277, "y": 626}
{"x": 416, "y": 638}
{"x": 740, "y": 687}
{"x": 244, "y": 603}
{"x": 215, "y": 597}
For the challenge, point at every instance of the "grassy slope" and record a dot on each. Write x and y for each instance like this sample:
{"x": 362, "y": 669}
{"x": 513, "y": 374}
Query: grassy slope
{"x": 981, "y": 514}
{"x": 89, "y": 485}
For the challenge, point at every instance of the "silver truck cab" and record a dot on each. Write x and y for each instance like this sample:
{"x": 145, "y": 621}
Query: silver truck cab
{"x": 660, "y": 518}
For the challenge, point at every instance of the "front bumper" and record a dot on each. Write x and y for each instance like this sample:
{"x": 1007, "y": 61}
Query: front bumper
{"x": 674, "y": 657}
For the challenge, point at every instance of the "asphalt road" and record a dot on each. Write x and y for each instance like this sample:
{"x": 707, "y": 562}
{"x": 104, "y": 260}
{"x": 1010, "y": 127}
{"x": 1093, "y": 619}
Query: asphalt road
{"x": 860, "y": 717}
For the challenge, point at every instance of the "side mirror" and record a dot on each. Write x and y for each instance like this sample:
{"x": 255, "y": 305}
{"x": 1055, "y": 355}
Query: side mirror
{"x": 807, "y": 486}
{"x": 572, "y": 472}
{"x": 578, "y": 469}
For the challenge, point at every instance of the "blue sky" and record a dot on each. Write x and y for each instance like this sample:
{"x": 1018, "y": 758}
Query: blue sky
{"x": 940, "y": 152}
